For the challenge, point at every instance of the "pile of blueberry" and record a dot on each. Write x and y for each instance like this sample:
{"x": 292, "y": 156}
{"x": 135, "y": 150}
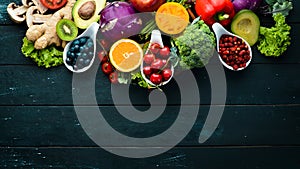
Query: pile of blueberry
{"x": 80, "y": 53}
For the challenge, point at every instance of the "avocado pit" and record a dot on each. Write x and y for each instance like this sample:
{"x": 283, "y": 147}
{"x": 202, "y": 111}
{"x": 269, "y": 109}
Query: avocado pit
{"x": 87, "y": 10}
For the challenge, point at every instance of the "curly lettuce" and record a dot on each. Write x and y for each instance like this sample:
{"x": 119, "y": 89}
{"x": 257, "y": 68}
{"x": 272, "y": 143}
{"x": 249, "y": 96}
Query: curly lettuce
{"x": 274, "y": 41}
{"x": 48, "y": 57}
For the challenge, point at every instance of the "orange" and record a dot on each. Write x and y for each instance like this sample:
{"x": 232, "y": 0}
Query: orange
{"x": 172, "y": 18}
{"x": 126, "y": 55}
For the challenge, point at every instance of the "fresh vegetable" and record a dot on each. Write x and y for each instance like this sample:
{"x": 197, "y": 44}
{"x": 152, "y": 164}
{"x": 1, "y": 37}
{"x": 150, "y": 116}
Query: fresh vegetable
{"x": 146, "y": 5}
{"x": 186, "y": 3}
{"x": 137, "y": 78}
{"x": 48, "y": 57}
{"x": 246, "y": 24}
{"x": 278, "y": 6}
{"x": 212, "y": 11}
{"x": 45, "y": 34}
{"x": 196, "y": 45}
{"x": 53, "y": 4}
{"x": 252, "y": 5}
{"x": 275, "y": 40}
{"x": 118, "y": 21}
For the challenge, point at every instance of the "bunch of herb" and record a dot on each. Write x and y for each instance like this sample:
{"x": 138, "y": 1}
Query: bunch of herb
{"x": 277, "y": 6}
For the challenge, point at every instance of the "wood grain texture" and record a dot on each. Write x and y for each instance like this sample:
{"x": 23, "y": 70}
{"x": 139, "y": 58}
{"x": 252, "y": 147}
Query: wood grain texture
{"x": 35, "y": 126}
{"x": 177, "y": 158}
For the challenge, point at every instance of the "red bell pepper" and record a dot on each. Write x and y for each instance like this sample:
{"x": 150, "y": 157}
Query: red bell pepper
{"x": 212, "y": 11}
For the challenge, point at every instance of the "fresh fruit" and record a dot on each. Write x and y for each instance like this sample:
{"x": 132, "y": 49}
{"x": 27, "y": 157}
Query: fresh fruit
{"x": 246, "y": 24}
{"x": 149, "y": 58}
{"x": 126, "y": 55}
{"x": 86, "y": 12}
{"x": 172, "y": 18}
{"x": 166, "y": 74}
{"x": 107, "y": 68}
{"x": 113, "y": 77}
{"x": 102, "y": 56}
{"x": 156, "y": 65}
{"x": 146, "y": 5}
{"x": 147, "y": 71}
{"x": 53, "y": 4}
{"x": 66, "y": 30}
{"x": 80, "y": 53}
{"x": 154, "y": 48}
{"x": 156, "y": 78}
{"x": 165, "y": 52}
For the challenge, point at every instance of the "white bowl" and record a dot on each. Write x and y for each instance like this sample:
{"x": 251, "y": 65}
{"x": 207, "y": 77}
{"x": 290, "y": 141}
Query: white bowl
{"x": 219, "y": 31}
{"x": 90, "y": 32}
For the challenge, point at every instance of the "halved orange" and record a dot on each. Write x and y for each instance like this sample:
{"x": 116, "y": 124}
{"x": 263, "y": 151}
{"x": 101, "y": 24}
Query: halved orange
{"x": 172, "y": 18}
{"x": 126, "y": 55}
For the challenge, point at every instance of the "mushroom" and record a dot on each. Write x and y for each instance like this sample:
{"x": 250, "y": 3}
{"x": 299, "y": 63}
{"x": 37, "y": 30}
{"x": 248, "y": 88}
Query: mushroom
{"x": 27, "y": 3}
{"x": 34, "y": 16}
{"x": 40, "y": 6}
{"x": 16, "y": 12}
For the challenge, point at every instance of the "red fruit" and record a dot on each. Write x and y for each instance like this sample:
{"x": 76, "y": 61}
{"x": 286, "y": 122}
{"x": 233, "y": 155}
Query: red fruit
{"x": 164, "y": 52}
{"x": 156, "y": 78}
{"x": 147, "y": 70}
{"x": 167, "y": 74}
{"x": 147, "y": 5}
{"x": 102, "y": 56}
{"x": 113, "y": 77}
{"x": 107, "y": 68}
{"x": 149, "y": 58}
{"x": 235, "y": 67}
{"x": 157, "y": 64}
{"x": 154, "y": 48}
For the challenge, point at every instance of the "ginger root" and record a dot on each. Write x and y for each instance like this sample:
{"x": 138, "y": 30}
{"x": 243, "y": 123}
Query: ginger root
{"x": 45, "y": 34}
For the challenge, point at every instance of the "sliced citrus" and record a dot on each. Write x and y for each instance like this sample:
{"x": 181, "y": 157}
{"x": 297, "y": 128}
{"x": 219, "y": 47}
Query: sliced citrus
{"x": 172, "y": 18}
{"x": 126, "y": 55}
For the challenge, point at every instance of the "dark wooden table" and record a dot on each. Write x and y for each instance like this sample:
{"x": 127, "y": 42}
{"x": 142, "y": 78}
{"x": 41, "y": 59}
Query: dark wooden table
{"x": 260, "y": 127}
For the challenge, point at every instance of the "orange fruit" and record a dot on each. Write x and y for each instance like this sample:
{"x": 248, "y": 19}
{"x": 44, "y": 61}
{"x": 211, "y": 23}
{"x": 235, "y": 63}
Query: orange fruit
{"x": 126, "y": 55}
{"x": 172, "y": 18}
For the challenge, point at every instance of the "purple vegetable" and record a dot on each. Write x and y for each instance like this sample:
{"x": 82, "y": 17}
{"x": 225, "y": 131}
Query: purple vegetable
{"x": 118, "y": 20}
{"x": 246, "y": 4}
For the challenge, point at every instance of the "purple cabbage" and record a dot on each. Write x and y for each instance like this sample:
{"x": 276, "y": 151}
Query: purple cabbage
{"x": 119, "y": 20}
{"x": 246, "y": 4}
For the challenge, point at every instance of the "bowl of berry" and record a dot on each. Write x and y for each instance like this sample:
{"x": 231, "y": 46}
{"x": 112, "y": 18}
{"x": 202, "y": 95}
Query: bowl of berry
{"x": 234, "y": 52}
{"x": 157, "y": 67}
{"x": 79, "y": 54}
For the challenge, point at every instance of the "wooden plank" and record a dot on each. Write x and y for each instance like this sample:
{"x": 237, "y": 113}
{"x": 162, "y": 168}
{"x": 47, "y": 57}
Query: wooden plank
{"x": 258, "y": 84}
{"x": 177, "y": 158}
{"x": 38, "y": 126}
{"x": 10, "y": 51}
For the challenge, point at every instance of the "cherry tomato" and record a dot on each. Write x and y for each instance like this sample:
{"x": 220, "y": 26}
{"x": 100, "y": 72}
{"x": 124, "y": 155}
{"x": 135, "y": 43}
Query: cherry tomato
{"x": 53, "y": 4}
{"x": 156, "y": 78}
{"x": 107, "y": 68}
{"x": 166, "y": 73}
{"x": 147, "y": 70}
{"x": 154, "y": 48}
{"x": 102, "y": 56}
{"x": 164, "y": 52}
{"x": 113, "y": 77}
{"x": 149, "y": 58}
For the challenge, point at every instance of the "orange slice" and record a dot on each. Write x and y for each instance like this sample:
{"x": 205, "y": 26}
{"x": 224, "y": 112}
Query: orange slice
{"x": 172, "y": 18}
{"x": 126, "y": 55}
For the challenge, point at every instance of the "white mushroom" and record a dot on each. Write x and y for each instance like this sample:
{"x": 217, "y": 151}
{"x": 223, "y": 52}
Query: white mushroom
{"x": 40, "y": 6}
{"x": 27, "y": 3}
{"x": 16, "y": 12}
{"x": 34, "y": 16}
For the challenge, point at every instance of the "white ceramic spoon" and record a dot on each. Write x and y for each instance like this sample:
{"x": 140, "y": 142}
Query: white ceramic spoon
{"x": 219, "y": 31}
{"x": 90, "y": 32}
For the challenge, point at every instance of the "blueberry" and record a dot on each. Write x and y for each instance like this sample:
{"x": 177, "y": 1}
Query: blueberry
{"x": 72, "y": 55}
{"x": 76, "y": 48}
{"x": 75, "y": 67}
{"x": 69, "y": 61}
{"x": 90, "y": 44}
{"x": 68, "y": 53}
{"x": 78, "y": 54}
{"x": 71, "y": 49}
{"x": 76, "y": 42}
{"x": 87, "y": 62}
{"x": 81, "y": 48}
{"x": 82, "y": 41}
{"x": 84, "y": 55}
{"x": 81, "y": 61}
{"x": 80, "y": 66}
{"x": 91, "y": 53}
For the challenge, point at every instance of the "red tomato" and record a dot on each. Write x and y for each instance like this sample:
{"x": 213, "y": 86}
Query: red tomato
{"x": 53, "y": 4}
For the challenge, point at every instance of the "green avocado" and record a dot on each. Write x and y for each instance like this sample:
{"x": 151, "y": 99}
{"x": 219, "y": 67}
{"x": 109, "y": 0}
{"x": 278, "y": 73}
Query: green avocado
{"x": 246, "y": 25}
{"x": 85, "y": 12}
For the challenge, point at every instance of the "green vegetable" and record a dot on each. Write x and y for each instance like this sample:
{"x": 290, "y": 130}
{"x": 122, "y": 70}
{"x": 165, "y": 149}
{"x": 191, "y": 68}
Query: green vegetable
{"x": 279, "y": 6}
{"x": 196, "y": 45}
{"x": 47, "y": 57}
{"x": 137, "y": 78}
{"x": 275, "y": 40}
{"x": 186, "y": 3}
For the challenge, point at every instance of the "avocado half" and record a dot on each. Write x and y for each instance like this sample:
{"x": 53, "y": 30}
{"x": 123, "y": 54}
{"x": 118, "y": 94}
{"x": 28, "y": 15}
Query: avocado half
{"x": 80, "y": 5}
{"x": 246, "y": 25}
